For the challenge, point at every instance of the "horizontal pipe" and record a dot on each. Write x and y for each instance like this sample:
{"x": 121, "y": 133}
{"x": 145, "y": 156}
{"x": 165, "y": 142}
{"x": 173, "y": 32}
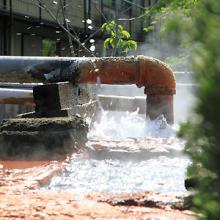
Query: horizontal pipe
{"x": 16, "y": 96}
{"x": 19, "y": 85}
{"x": 142, "y": 71}
{"x": 114, "y": 103}
{"x": 23, "y": 69}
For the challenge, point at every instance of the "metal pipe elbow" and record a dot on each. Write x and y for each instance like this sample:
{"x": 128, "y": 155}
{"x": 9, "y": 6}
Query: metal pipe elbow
{"x": 156, "y": 76}
{"x": 153, "y": 74}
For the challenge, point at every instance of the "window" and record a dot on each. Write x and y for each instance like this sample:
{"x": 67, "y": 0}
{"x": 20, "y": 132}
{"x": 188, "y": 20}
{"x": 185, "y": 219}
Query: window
{"x": 125, "y": 5}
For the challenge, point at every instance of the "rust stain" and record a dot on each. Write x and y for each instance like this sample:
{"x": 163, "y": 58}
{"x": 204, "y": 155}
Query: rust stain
{"x": 18, "y": 101}
{"x": 10, "y": 165}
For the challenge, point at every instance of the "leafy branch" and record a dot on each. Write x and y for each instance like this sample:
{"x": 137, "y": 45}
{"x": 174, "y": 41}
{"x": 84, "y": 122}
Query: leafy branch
{"x": 120, "y": 40}
{"x": 174, "y": 15}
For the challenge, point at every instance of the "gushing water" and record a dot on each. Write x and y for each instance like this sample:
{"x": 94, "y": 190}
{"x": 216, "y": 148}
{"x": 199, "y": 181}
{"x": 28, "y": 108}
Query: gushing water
{"x": 127, "y": 153}
{"x": 121, "y": 125}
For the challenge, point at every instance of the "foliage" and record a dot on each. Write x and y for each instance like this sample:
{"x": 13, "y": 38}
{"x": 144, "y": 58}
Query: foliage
{"x": 120, "y": 40}
{"x": 179, "y": 61}
{"x": 48, "y": 47}
{"x": 203, "y": 131}
{"x": 166, "y": 10}
{"x": 171, "y": 22}
{"x": 174, "y": 18}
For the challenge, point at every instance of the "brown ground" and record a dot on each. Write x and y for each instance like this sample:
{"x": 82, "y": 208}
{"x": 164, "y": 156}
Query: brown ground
{"x": 20, "y": 198}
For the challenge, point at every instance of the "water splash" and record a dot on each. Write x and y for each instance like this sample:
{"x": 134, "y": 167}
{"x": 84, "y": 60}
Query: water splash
{"x": 127, "y": 153}
{"x": 120, "y": 125}
{"x": 109, "y": 175}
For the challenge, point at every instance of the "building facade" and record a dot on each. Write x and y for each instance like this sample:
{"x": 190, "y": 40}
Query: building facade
{"x": 34, "y": 27}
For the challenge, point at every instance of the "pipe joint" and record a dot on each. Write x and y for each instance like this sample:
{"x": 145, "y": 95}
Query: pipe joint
{"x": 155, "y": 76}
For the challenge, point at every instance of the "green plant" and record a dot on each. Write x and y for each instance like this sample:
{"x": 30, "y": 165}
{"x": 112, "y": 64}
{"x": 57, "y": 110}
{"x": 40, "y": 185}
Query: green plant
{"x": 203, "y": 131}
{"x": 48, "y": 47}
{"x": 118, "y": 39}
{"x": 174, "y": 19}
{"x": 171, "y": 22}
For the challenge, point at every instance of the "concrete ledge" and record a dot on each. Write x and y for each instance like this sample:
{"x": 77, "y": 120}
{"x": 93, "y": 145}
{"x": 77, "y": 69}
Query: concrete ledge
{"x": 41, "y": 138}
{"x": 123, "y": 103}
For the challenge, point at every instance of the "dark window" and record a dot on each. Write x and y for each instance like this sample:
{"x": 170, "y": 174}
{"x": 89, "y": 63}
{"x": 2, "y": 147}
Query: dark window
{"x": 109, "y": 3}
{"x": 125, "y": 5}
{"x": 113, "y": 3}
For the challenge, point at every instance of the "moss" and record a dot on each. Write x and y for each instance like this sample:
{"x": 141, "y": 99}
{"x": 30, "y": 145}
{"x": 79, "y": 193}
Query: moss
{"x": 41, "y": 138}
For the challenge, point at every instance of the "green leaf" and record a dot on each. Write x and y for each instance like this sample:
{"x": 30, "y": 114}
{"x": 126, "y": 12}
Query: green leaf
{"x": 154, "y": 22}
{"x": 126, "y": 34}
{"x": 147, "y": 29}
{"x": 104, "y": 26}
{"x": 122, "y": 42}
{"x": 120, "y": 27}
{"x": 132, "y": 44}
{"x": 112, "y": 42}
{"x": 112, "y": 23}
{"x": 107, "y": 42}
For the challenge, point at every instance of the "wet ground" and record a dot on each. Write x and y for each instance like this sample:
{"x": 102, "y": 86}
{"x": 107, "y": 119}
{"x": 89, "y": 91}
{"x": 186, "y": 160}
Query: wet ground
{"x": 131, "y": 165}
{"x": 129, "y": 169}
{"x": 22, "y": 198}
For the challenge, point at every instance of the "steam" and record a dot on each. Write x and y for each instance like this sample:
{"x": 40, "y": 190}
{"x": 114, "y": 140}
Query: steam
{"x": 184, "y": 102}
{"x": 184, "y": 99}
{"x": 177, "y": 58}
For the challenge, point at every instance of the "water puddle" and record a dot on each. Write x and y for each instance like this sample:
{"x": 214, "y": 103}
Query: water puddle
{"x": 126, "y": 153}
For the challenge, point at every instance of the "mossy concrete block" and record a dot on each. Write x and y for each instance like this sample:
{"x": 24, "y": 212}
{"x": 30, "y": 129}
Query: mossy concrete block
{"x": 41, "y": 138}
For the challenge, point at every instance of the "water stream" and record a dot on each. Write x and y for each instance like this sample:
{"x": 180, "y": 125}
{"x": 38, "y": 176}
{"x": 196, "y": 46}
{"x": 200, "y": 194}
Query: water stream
{"x": 127, "y": 153}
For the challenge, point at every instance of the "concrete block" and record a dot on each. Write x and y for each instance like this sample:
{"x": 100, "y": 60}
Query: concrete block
{"x": 54, "y": 97}
{"x": 41, "y": 138}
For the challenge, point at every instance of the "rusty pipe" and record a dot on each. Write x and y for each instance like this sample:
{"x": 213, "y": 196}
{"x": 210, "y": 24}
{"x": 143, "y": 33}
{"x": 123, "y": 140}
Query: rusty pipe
{"x": 154, "y": 75}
